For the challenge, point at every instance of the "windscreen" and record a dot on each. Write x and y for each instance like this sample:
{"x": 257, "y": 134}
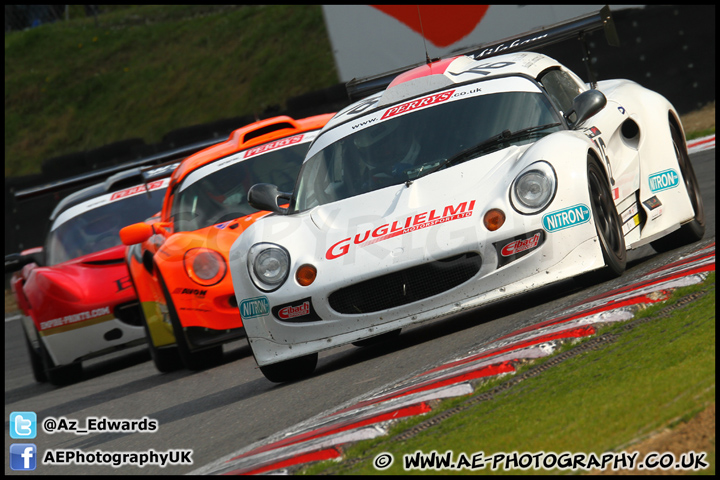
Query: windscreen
{"x": 375, "y": 151}
{"x": 218, "y": 193}
{"x": 95, "y": 225}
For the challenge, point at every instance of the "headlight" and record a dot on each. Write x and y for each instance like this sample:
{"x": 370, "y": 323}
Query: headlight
{"x": 534, "y": 188}
{"x": 268, "y": 265}
{"x": 204, "y": 266}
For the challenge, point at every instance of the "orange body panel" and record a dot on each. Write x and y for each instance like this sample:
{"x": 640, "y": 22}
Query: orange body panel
{"x": 214, "y": 306}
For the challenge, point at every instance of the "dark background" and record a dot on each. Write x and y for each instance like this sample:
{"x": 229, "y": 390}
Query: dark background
{"x": 669, "y": 49}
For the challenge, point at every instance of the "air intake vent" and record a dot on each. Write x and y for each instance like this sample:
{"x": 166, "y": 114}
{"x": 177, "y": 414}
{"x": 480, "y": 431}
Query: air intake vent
{"x": 407, "y": 286}
{"x": 270, "y": 128}
{"x": 129, "y": 313}
{"x": 112, "y": 261}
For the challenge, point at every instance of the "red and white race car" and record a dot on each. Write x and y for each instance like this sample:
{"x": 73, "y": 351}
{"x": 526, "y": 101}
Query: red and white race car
{"x": 74, "y": 293}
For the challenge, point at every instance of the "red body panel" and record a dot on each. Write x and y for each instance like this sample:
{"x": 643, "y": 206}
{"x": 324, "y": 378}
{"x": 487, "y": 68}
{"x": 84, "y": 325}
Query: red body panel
{"x": 435, "y": 68}
{"x": 74, "y": 292}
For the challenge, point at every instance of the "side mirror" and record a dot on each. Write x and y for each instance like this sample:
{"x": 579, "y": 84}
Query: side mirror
{"x": 16, "y": 261}
{"x": 586, "y": 105}
{"x": 136, "y": 233}
{"x": 264, "y": 196}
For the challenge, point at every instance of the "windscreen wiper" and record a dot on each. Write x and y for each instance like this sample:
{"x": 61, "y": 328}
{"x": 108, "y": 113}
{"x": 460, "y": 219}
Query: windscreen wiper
{"x": 499, "y": 139}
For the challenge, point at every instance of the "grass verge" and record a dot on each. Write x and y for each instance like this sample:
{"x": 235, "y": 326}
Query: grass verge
{"x": 143, "y": 71}
{"x": 658, "y": 374}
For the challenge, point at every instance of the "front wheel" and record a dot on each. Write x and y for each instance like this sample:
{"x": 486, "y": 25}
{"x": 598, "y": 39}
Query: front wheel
{"x": 192, "y": 360}
{"x": 695, "y": 229}
{"x": 36, "y": 361}
{"x": 607, "y": 221}
{"x": 291, "y": 370}
{"x": 59, "y": 375}
{"x": 166, "y": 359}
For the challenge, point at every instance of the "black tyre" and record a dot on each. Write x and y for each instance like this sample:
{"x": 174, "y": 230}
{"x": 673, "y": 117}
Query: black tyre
{"x": 192, "y": 360}
{"x": 166, "y": 359}
{"x": 695, "y": 229}
{"x": 607, "y": 222}
{"x": 59, "y": 375}
{"x": 291, "y": 370}
{"x": 35, "y": 361}
{"x": 382, "y": 338}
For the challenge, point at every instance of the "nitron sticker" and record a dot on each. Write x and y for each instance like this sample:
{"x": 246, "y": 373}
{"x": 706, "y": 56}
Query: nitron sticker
{"x": 254, "y": 307}
{"x": 663, "y": 180}
{"x": 566, "y": 218}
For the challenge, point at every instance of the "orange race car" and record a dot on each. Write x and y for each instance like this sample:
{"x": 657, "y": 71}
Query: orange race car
{"x": 178, "y": 262}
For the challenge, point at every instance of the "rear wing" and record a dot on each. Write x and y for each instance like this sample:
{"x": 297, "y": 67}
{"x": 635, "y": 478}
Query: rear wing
{"x": 140, "y": 175}
{"x": 574, "y": 28}
{"x": 148, "y": 163}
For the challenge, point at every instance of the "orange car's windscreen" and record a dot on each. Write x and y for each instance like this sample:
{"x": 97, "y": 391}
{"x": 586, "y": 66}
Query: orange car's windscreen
{"x": 222, "y": 195}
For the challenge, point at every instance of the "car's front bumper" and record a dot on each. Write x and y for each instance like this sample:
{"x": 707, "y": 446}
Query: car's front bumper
{"x": 273, "y": 340}
{"x": 83, "y": 340}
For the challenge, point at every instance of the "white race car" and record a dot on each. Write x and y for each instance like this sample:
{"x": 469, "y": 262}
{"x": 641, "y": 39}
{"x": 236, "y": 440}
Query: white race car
{"x": 466, "y": 181}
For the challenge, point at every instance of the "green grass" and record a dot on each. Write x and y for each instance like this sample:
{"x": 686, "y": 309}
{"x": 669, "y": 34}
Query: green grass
{"x": 700, "y": 133}
{"x": 145, "y": 71}
{"x": 657, "y": 374}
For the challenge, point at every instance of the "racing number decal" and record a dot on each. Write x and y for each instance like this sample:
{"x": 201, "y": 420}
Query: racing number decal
{"x": 483, "y": 69}
{"x": 362, "y": 106}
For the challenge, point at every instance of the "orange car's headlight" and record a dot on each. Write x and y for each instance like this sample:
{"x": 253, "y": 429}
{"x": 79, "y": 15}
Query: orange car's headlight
{"x": 204, "y": 266}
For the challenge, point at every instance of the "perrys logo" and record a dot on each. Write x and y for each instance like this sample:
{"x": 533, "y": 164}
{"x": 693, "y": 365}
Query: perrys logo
{"x": 254, "y": 307}
{"x": 415, "y": 104}
{"x": 566, "y": 218}
{"x": 663, "y": 180}
{"x": 273, "y": 145}
{"x": 135, "y": 190}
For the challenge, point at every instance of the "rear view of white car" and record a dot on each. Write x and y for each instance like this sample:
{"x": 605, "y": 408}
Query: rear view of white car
{"x": 468, "y": 180}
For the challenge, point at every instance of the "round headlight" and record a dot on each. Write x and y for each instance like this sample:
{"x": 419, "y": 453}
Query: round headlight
{"x": 534, "y": 188}
{"x": 204, "y": 266}
{"x": 268, "y": 265}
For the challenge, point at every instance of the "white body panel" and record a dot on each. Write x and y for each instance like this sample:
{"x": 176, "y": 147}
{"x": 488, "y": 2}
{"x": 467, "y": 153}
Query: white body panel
{"x": 87, "y": 341}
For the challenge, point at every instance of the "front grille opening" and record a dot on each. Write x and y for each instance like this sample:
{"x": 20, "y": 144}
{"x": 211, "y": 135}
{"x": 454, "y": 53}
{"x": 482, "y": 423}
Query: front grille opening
{"x": 406, "y": 286}
{"x": 232, "y": 301}
{"x": 129, "y": 313}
